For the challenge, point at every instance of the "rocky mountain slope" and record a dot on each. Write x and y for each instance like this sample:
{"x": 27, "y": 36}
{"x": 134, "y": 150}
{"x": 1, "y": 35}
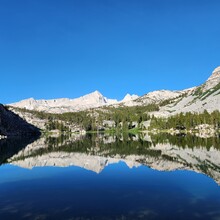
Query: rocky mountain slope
{"x": 13, "y": 125}
{"x": 157, "y": 97}
{"x": 197, "y": 99}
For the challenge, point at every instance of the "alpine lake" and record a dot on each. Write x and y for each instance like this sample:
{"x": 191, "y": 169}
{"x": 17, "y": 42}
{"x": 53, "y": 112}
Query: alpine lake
{"x": 100, "y": 176}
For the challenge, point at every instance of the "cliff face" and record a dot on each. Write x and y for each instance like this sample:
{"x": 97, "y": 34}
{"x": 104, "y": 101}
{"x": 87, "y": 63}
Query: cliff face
{"x": 12, "y": 125}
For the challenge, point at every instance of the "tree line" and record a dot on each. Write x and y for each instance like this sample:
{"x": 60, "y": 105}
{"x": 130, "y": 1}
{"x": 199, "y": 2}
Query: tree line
{"x": 188, "y": 120}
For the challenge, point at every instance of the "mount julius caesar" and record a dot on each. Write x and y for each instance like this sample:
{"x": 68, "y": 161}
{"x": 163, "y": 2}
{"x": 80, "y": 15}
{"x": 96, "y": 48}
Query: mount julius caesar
{"x": 196, "y": 99}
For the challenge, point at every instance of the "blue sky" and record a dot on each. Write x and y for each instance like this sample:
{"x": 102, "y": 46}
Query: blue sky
{"x": 56, "y": 48}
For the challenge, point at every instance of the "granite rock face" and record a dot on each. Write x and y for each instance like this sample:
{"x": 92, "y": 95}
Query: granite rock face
{"x": 196, "y": 99}
{"x": 213, "y": 80}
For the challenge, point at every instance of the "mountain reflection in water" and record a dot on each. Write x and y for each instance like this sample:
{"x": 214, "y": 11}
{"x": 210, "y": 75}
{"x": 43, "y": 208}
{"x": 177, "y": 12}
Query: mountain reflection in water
{"x": 57, "y": 182}
{"x": 162, "y": 152}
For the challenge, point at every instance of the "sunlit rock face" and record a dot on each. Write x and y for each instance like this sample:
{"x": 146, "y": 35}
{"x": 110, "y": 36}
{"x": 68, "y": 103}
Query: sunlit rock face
{"x": 196, "y": 99}
{"x": 213, "y": 80}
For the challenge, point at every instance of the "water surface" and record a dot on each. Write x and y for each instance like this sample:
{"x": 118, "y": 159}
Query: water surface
{"x": 101, "y": 177}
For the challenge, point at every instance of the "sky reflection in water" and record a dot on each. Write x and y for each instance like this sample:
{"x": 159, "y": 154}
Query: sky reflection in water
{"x": 116, "y": 193}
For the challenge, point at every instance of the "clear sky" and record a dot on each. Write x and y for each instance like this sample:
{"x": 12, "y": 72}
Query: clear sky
{"x": 68, "y": 48}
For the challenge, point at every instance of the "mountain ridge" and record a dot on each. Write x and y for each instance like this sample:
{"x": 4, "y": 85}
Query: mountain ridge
{"x": 195, "y": 99}
{"x": 61, "y": 105}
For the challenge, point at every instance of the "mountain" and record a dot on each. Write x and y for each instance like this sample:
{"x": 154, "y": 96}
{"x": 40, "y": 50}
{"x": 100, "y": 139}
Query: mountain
{"x": 158, "y": 96}
{"x": 129, "y": 98}
{"x": 92, "y": 100}
{"x": 196, "y": 99}
{"x": 13, "y": 125}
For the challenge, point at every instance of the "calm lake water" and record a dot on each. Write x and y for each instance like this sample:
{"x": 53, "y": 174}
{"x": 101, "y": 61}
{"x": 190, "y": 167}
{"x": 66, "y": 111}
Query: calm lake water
{"x": 109, "y": 177}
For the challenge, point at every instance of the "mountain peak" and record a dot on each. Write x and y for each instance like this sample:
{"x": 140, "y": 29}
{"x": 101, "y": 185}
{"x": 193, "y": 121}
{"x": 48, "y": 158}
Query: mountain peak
{"x": 91, "y": 100}
{"x": 215, "y": 74}
{"x": 129, "y": 97}
{"x": 96, "y": 93}
{"x": 217, "y": 69}
{"x": 213, "y": 80}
